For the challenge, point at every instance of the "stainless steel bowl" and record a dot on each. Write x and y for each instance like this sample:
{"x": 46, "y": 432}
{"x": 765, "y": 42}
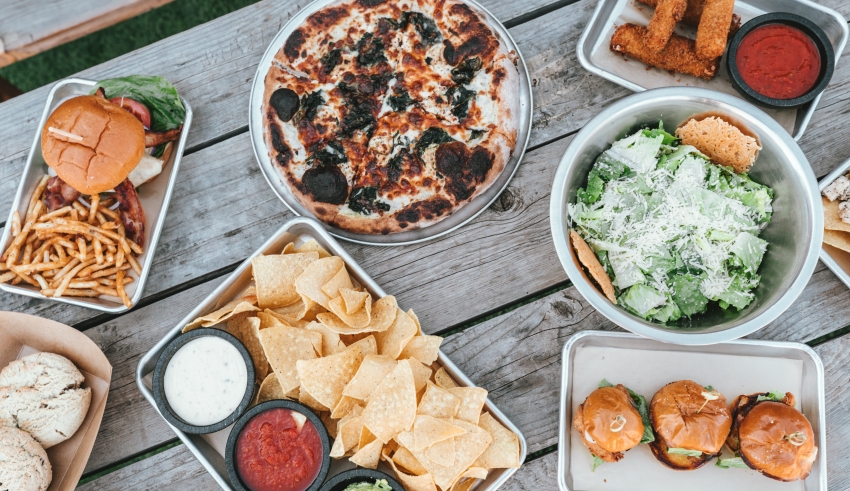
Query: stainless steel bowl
{"x": 794, "y": 234}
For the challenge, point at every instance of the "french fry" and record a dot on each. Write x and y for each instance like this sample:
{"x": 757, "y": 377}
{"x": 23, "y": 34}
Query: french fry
{"x": 27, "y": 254}
{"x": 7, "y": 277}
{"x": 83, "y": 285}
{"x": 51, "y": 292}
{"x": 105, "y": 290}
{"x": 16, "y": 224}
{"x": 60, "y": 252}
{"x": 82, "y": 211}
{"x": 27, "y": 279}
{"x": 74, "y": 215}
{"x": 36, "y": 195}
{"x": 98, "y": 251}
{"x": 81, "y": 244}
{"x": 66, "y": 280}
{"x": 111, "y": 214}
{"x": 11, "y": 254}
{"x": 95, "y": 201}
{"x": 107, "y": 272}
{"x": 25, "y": 269}
{"x": 55, "y": 214}
{"x": 119, "y": 257}
{"x": 17, "y": 280}
{"x": 67, "y": 267}
{"x": 42, "y": 283}
{"x": 134, "y": 264}
{"x": 109, "y": 226}
{"x": 93, "y": 268}
{"x": 110, "y": 257}
{"x": 119, "y": 286}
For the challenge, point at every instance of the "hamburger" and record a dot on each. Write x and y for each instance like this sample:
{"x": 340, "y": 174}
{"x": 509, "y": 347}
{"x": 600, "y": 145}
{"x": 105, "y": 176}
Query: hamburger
{"x": 690, "y": 422}
{"x": 113, "y": 140}
{"x": 772, "y": 437}
{"x": 612, "y": 420}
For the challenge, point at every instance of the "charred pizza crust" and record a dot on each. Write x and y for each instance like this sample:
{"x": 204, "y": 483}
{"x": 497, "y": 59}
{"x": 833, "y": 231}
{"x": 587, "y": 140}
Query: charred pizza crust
{"x": 386, "y": 116}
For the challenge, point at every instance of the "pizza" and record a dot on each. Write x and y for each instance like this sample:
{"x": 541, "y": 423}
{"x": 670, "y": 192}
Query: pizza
{"x": 384, "y": 116}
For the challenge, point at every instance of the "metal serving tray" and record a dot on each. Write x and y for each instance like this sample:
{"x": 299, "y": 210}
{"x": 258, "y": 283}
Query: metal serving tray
{"x": 645, "y": 365}
{"x": 595, "y": 56}
{"x": 209, "y": 448}
{"x": 457, "y": 219}
{"x": 836, "y": 260}
{"x": 154, "y": 197}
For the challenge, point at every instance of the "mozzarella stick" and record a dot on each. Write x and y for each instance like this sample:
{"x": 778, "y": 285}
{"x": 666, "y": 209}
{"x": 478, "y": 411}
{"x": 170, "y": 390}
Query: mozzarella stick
{"x": 693, "y": 12}
{"x": 678, "y": 56}
{"x": 713, "y": 30}
{"x": 667, "y": 14}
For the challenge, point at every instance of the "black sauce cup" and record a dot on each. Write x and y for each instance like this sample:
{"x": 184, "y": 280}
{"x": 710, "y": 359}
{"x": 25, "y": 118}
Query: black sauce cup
{"x": 344, "y": 479}
{"x": 159, "y": 382}
{"x": 324, "y": 438}
{"x": 827, "y": 56}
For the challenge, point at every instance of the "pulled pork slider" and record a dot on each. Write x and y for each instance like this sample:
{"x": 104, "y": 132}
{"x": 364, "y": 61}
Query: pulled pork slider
{"x": 609, "y": 423}
{"x": 691, "y": 423}
{"x": 773, "y": 437}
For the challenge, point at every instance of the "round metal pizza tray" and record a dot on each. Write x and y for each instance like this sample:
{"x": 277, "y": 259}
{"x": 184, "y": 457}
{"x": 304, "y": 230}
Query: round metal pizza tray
{"x": 460, "y": 217}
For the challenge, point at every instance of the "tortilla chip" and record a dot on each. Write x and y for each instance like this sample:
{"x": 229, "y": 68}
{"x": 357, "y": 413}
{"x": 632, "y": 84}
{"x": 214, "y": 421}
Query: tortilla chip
{"x": 368, "y": 345}
{"x": 304, "y": 397}
{"x": 405, "y": 458}
{"x": 370, "y": 374}
{"x": 503, "y": 452}
{"x": 383, "y": 313}
{"x": 443, "y": 379}
{"x": 392, "y": 341}
{"x": 267, "y": 319}
{"x": 275, "y": 277}
{"x": 247, "y": 331}
{"x": 428, "y": 430}
{"x": 832, "y": 218}
{"x": 324, "y": 378}
{"x": 416, "y": 320}
{"x": 837, "y": 239}
{"x": 424, "y": 348}
{"x": 288, "y": 248}
{"x": 344, "y": 406}
{"x": 366, "y": 437}
{"x": 439, "y": 403}
{"x": 330, "y": 340}
{"x": 313, "y": 246}
{"x": 471, "y": 402}
{"x": 359, "y": 319}
{"x": 468, "y": 447}
{"x": 330, "y": 424}
{"x": 232, "y": 308}
{"x": 368, "y": 456}
{"x": 284, "y": 346}
{"x": 354, "y": 300}
{"x": 588, "y": 259}
{"x": 442, "y": 452}
{"x": 270, "y": 389}
{"x": 250, "y": 295}
{"x": 348, "y": 433}
{"x": 340, "y": 280}
{"x": 476, "y": 472}
{"x": 463, "y": 484}
{"x": 421, "y": 373}
{"x": 315, "y": 276}
{"x": 392, "y": 405}
{"x": 422, "y": 482}
{"x": 294, "y": 311}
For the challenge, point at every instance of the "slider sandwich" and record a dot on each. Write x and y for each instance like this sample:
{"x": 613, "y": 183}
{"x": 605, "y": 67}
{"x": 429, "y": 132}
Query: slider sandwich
{"x": 691, "y": 423}
{"x": 612, "y": 420}
{"x": 771, "y": 436}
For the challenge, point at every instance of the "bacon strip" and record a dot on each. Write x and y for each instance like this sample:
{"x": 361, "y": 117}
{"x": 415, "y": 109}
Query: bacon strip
{"x": 59, "y": 194}
{"x": 132, "y": 214}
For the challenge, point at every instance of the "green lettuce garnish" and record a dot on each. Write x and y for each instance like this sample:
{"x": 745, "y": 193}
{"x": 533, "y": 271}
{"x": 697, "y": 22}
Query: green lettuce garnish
{"x": 157, "y": 93}
{"x": 684, "y": 451}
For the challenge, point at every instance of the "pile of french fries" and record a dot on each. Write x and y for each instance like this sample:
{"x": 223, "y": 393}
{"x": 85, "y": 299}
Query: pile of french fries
{"x": 73, "y": 252}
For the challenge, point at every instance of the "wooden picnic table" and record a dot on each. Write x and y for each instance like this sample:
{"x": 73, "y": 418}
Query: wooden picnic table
{"x": 222, "y": 210}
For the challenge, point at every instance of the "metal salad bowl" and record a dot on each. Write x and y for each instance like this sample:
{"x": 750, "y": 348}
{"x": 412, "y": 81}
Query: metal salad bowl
{"x": 794, "y": 234}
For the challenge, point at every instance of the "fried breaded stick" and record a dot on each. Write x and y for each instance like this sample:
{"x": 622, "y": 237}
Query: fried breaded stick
{"x": 667, "y": 14}
{"x": 679, "y": 55}
{"x": 694, "y": 11}
{"x": 713, "y": 30}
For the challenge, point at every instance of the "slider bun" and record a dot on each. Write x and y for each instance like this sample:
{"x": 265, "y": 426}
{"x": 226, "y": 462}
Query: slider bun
{"x": 112, "y": 145}
{"x": 680, "y": 420}
{"x": 763, "y": 446}
{"x": 599, "y": 411}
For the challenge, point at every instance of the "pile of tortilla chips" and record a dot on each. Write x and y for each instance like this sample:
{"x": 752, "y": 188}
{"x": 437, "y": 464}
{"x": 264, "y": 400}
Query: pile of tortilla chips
{"x": 836, "y": 231}
{"x": 317, "y": 336}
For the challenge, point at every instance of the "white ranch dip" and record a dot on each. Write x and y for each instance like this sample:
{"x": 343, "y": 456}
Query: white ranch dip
{"x": 205, "y": 380}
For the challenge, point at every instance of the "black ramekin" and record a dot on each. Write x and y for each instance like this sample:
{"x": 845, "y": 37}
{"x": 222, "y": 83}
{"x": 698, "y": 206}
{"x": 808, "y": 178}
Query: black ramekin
{"x": 230, "y": 450}
{"x": 827, "y": 57}
{"x": 342, "y": 480}
{"x": 159, "y": 384}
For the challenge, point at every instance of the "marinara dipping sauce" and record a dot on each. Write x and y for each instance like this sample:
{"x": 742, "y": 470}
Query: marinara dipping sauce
{"x": 278, "y": 450}
{"x": 779, "y": 61}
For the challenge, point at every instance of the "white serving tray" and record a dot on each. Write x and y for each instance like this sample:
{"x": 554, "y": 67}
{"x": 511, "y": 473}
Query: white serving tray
{"x": 645, "y": 365}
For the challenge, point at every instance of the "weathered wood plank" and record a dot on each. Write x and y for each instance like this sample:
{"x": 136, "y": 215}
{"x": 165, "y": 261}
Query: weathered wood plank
{"x": 175, "y": 468}
{"x": 835, "y": 355}
{"x": 28, "y": 28}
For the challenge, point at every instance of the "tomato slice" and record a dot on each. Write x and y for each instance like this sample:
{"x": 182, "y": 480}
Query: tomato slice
{"x": 137, "y": 109}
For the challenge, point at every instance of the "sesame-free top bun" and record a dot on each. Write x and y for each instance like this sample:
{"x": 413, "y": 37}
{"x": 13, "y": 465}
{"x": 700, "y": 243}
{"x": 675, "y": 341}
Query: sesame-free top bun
{"x": 112, "y": 144}
{"x": 609, "y": 423}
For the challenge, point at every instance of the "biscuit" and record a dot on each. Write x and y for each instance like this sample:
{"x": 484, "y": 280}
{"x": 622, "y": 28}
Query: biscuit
{"x": 24, "y": 465}
{"x": 41, "y": 395}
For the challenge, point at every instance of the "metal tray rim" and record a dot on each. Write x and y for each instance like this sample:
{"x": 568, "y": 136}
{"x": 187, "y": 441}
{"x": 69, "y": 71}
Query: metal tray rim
{"x": 155, "y": 233}
{"x": 589, "y": 66}
{"x": 317, "y": 228}
{"x": 526, "y": 96}
{"x": 563, "y": 428}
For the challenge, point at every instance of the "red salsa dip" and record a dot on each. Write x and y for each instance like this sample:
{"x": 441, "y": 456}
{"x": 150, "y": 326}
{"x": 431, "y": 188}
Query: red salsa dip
{"x": 273, "y": 455}
{"x": 779, "y": 61}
